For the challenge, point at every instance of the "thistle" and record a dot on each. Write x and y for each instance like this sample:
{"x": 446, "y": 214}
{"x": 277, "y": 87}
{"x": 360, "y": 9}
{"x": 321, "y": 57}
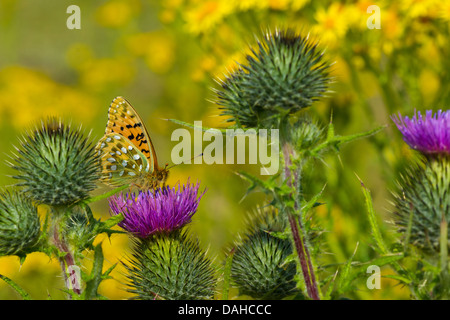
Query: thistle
{"x": 260, "y": 268}
{"x": 422, "y": 203}
{"x": 161, "y": 211}
{"x": 305, "y": 134}
{"x": 285, "y": 74}
{"x": 56, "y": 165}
{"x": 167, "y": 264}
{"x": 171, "y": 267}
{"x": 429, "y": 134}
{"x": 19, "y": 224}
{"x": 78, "y": 231}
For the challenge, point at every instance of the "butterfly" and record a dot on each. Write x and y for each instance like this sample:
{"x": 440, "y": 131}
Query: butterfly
{"x": 126, "y": 152}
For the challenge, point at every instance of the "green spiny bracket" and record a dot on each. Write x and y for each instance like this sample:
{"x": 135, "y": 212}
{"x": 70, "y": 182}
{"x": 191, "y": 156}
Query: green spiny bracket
{"x": 16, "y": 287}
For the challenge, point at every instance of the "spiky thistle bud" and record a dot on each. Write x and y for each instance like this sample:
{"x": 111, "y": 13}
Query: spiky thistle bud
{"x": 171, "y": 267}
{"x": 305, "y": 134}
{"x": 259, "y": 267}
{"x": 421, "y": 202}
{"x": 56, "y": 164}
{"x": 284, "y": 74}
{"x": 19, "y": 224}
{"x": 78, "y": 231}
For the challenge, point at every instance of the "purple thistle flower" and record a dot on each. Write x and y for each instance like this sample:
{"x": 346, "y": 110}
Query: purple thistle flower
{"x": 163, "y": 210}
{"x": 429, "y": 134}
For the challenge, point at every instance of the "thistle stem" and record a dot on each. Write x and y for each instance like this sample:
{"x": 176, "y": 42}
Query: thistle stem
{"x": 66, "y": 260}
{"x": 305, "y": 261}
{"x": 297, "y": 229}
{"x": 444, "y": 254}
{"x": 67, "y": 264}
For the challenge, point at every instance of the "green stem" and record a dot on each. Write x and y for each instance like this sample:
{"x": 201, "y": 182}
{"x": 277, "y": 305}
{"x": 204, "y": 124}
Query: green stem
{"x": 304, "y": 258}
{"x": 297, "y": 229}
{"x": 65, "y": 256}
{"x": 444, "y": 256}
{"x": 106, "y": 195}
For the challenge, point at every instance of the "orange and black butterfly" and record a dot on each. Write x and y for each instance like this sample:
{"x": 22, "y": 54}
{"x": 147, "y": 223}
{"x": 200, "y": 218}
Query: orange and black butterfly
{"x": 126, "y": 152}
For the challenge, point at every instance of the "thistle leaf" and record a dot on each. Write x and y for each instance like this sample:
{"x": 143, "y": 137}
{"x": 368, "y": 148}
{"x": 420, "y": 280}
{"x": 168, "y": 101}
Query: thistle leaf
{"x": 96, "y": 275}
{"x": 335, "y": 141}
{"x": 227, "y": 275}
{"x": 376, "y": 233}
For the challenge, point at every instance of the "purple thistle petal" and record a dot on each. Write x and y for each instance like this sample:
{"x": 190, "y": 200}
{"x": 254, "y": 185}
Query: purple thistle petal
{"x": 163, "y": 210}
{"x": 427, "y": 134}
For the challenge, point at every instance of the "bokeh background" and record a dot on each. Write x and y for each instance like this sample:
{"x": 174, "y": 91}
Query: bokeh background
{"x": 163, "y": 56}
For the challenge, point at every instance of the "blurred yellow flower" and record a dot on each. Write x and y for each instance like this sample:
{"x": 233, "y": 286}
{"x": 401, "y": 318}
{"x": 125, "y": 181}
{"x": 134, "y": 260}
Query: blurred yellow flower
{"x": 429, "y": 84}
{"x": 136, "y": 43}
{"x": 98, "y": 74}
{"x": 252, "y": 4}
{"x": 230, "y": 64}
{"x": 173, "y": 4}
{"x": 444, "y": 10}
{"x": 207, "y": 15}
{"x": 391, "y": 24}
{"x": 27, "y": 96}
{"x": 420, "y": 8}
{"x": 340, "y": 70}
{"x": 392, "y": 28}
{"x": 160, "y": 54}
{"x": 116, "y": 13}
{"x": 8, "y": 266}
{"x": 298, "y": 4}
{"x": 357, "y": 14}
{"x": 331, "y": 24}
{"x": 203, "y": 67}
{"x": 243, "y": 5}
{"x": 278, "y": 4}
{"x": 429, "y": 52}
{"x": 156, "y": 47}
{"x": 167, "y": 16}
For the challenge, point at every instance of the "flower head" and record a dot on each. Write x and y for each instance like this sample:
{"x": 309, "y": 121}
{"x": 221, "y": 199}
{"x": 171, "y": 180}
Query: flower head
{"x": 19, "y": 224}
{"x": 331, "y": 24}
{"x": 259, "y": 267}
{"x": 163, "y": 210}
{"x": 56, "y": 164}
{"x": 429, "y": 134}
{"x": 170, "y": 267}
{"x": 284, "y": 74}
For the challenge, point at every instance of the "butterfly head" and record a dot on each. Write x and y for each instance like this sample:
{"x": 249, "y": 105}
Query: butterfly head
{"x": 162, "y": 175}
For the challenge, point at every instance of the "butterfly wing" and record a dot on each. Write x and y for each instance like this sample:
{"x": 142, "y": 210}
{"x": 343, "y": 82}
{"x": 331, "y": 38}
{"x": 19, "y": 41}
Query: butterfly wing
{"x": 121, "y": 161}
{"x": 124, "y": 120}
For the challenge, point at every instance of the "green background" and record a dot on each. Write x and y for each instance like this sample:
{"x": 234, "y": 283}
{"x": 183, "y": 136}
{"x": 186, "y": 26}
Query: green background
{"x": 163, "y": 56}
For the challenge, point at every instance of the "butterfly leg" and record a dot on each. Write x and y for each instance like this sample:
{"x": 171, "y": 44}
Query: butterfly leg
{"x": 133, "y": 184}
{"x": 128, "y": 197}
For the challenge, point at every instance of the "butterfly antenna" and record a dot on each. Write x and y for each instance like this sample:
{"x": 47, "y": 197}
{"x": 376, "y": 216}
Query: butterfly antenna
{"x": 199, "y": 155}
